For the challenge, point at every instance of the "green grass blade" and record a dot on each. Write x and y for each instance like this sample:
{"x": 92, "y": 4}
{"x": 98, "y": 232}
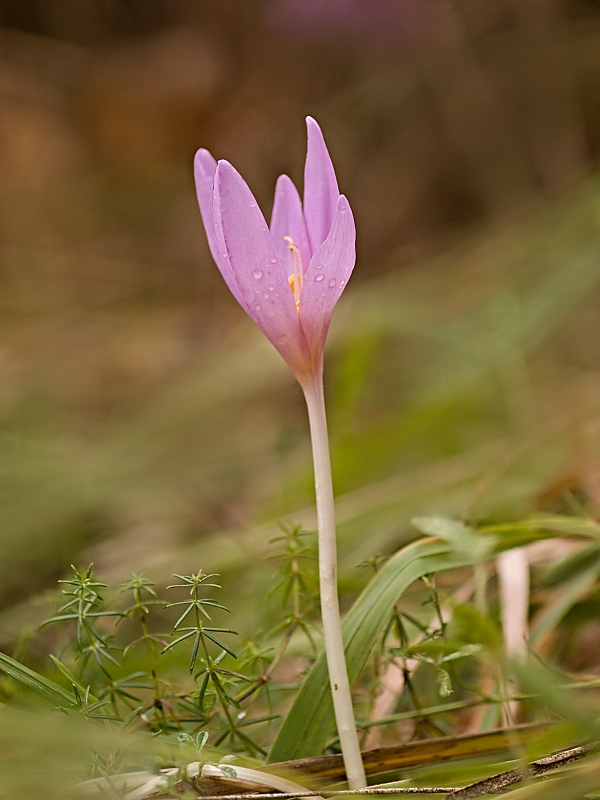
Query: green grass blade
{"x": 310, "y": 721}
{"x": 44, "y": 687}
{"x": 564, "y": 601}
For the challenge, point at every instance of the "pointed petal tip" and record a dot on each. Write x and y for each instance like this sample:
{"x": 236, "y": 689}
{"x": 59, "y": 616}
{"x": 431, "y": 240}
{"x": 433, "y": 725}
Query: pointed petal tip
{"x": 313, "y": 127}
{"x": 223, "y": 164}
{"x": 202, "y": 153}
{"x": 321, "y": 190}
{"x": 283, "y": 179}
{"x": 226, "y": 174}
{"x": 226, "y": 171}
{"x": 343, "y": 204}
{"x": 204, "y": 162}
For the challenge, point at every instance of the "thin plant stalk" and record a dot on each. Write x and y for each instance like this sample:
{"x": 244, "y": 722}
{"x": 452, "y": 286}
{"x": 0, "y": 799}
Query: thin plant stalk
{"x": 330, "y": 608}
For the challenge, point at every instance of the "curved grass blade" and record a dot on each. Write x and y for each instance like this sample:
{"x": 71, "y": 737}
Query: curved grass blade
{"x": 42, "y": 686}
{"x": 554, "y": 612}
{"x": 310, "y": 721}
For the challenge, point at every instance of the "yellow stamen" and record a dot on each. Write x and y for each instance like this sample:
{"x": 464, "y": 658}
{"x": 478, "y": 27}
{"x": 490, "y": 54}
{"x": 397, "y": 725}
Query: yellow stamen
{"x": 296, "y": 279}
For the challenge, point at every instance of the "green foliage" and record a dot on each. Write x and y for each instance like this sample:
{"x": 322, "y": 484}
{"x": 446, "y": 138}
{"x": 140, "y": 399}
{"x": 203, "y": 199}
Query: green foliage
{"x": 94, "y": 656}
{"x": 442, "y": 649}
{"x": 309, "y": 724}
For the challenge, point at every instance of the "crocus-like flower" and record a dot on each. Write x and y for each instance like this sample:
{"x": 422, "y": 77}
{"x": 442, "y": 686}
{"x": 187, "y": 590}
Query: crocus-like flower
{"x": 288, "y": 278}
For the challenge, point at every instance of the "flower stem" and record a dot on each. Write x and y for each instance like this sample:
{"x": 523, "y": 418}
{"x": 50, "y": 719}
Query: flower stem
{"x": 330, "y": 609}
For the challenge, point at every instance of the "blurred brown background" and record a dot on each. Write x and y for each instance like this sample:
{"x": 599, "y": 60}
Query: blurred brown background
{"x": 138, "y": 409}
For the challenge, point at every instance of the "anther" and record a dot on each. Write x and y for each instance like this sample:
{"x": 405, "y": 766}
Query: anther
{"x": 296, "y": 279}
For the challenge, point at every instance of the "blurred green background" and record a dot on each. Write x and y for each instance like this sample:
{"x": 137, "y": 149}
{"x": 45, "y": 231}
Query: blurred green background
{"x": 145, "y": 424}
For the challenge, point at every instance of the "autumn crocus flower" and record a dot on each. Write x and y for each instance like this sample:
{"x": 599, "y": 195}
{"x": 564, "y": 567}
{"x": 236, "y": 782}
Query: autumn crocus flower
{"x": 288, "y": 279}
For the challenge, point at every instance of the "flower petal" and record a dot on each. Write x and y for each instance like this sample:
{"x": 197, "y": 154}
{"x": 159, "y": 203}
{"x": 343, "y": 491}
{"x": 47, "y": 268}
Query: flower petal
{"x": 320, "y": 187}
{"x": 205, "y": 168}
{"x": 327, "y": 275}
{"x": 258, "y": 271}
{"x": 287, "y": 219}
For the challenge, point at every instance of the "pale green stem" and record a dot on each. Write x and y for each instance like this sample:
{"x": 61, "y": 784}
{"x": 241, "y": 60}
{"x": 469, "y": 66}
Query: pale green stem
{"x": 330, "y": 609}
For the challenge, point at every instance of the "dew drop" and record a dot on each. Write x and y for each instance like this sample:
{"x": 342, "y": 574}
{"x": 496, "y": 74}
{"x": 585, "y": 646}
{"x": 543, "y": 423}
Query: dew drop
{"x": 258, "y": 273}
{"x": 257, "y": 308}
{"x": 265, "y": 296}
{"x": 252, "y": 203}
{"x": 319, "y": 277}
{"x": 271, "y": 288}
{"x": 273, "y": 260}
{"x": 331, "y": 284}
{"x": 319, "y": 266}
{"x": 342, "y": 284}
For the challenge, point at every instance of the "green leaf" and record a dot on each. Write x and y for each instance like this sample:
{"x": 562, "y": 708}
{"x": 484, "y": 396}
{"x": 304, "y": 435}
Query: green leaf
{"x": 465, "y": 541}
{"x": 467, "y": 650}
{"x": 228, "y": 772}
{"x": 46, "y": 688}
{"x": 67, "y": 673}
{"x": 444, "y": 682}
{"x": 469, "y": 626}
{"x": 201, "y": 739}
{"x": 555, "y": 523}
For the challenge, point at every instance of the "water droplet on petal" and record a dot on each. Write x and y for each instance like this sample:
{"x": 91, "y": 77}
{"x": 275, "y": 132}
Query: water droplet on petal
{"x": 342, "y": 284}
{"x": 271, "y": 288}
{"x": 319, "y": 277}
{"x": 257, "y": 308}
{"x": 258, "y": 273}
{"x": 252, "y": 203}
{"x": 331, "y": 284}
{"x": 319, "y": 266}
{"x": 273, "y": 260}
{"x": 265, "y": 296}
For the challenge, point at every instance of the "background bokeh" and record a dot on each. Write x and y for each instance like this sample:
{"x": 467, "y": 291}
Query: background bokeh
{"x": 144, "y": 422}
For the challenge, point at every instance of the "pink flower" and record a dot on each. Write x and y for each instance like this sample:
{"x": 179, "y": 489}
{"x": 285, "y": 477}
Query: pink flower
{"x": 288, "y": 278}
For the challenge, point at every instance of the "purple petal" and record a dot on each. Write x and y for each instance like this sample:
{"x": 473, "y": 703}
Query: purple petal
{"x": 320, "y": 187}
{"x": 205, "y": 168}
{"x": 258, "y": 271}
{"x": 287, "y": 219}
{"x": 326, "y": 277}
